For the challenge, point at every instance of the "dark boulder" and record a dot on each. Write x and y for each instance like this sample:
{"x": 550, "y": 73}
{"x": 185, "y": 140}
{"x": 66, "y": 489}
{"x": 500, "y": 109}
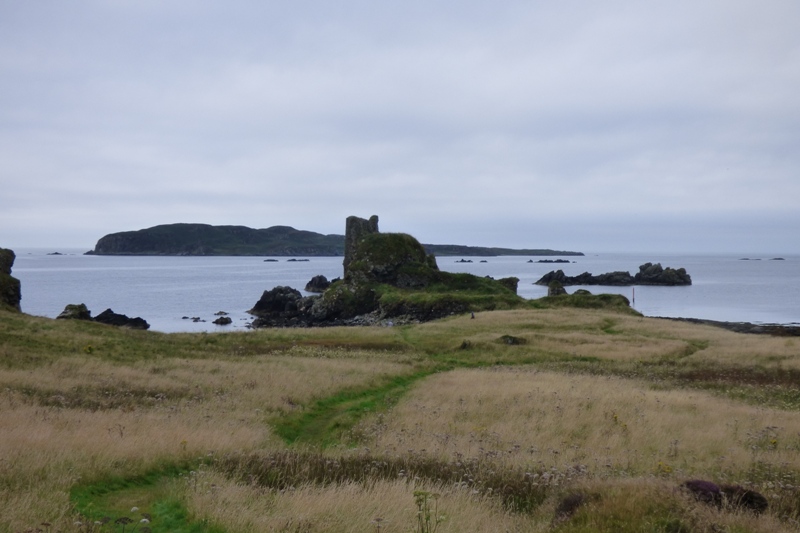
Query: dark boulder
{"x": 222, "y": 321}
{"x": 318, "y": 284}
{"x": 741, "y": 498}
{"x": 10, "y": 287}
{"x": 281, "y": 300}
{"x": 733, "y": 497}
{"x": 115, "y": 319}
{"x": 568, "y": 506}
{"x": 75, "y": 312}
{"x": 704, "y": 491}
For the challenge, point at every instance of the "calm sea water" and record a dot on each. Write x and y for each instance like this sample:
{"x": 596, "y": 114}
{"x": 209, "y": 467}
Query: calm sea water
{"x": 163, "y": 290}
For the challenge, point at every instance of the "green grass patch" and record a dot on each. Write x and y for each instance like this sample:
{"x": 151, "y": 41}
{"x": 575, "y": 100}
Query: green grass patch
{"x": 328, "y": 419}
{"x": 154, "y": 496}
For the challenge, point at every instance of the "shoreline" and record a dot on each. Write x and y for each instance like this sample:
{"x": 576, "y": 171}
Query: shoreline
{"x": 776, "y": 330}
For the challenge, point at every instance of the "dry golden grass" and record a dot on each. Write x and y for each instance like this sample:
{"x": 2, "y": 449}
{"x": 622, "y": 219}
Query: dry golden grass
{"x": 543, "y": 420}
{"x": 608, "y": 336}
{"x": 144, "y": 413}
{"x": 70, "y": 415}
{"x": 236, "y": 386}
{"x": 611, "y": 505}
{"x": 385, "y": 506}
{"x": 650, "y": 504}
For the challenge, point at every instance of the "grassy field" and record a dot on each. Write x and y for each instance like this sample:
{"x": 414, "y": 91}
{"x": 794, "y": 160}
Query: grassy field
{"x": 551, "y": 418}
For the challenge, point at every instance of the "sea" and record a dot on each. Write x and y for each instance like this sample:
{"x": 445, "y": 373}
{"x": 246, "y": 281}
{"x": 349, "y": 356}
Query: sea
{"x": 185, "y": 294}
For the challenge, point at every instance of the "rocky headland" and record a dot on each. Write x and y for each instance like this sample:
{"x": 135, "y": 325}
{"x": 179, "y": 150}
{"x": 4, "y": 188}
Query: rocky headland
{"x": 10, "y": 288}
{"x": 649, "y": 274}
{"x": 108, "y": 317}
{"x": 387, "y": 277}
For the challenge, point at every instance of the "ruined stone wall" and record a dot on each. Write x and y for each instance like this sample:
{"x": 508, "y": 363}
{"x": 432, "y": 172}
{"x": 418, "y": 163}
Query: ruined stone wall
{"x": 357, "y": 228}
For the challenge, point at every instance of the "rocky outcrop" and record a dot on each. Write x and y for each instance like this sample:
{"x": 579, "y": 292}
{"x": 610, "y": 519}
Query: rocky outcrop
{"x": 649, "y": 274}
{"x": 108, "y": 317}
{"x": 374, "y": 261}
{"x": 278, "y": 301}
{"x": 318, "y": 284}
{"x": 75, "y": 312}
{"x": 654, "y": 274}
{"x": 610, "y": 278}
{"x": 10, "y": 287}
{"x": 115, "y": 319}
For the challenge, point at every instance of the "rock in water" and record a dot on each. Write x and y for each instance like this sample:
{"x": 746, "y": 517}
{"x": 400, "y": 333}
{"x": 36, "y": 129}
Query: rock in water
{"x": 654, "y": 274}
{"x": 649, "y": 274}
{"x": 278, "y": 301}
{"x": 318, "y": 284}
{"x": 115, "y": 319}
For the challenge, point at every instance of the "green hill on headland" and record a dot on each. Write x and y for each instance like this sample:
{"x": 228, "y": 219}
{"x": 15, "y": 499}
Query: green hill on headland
{"x": 205, "y": 239}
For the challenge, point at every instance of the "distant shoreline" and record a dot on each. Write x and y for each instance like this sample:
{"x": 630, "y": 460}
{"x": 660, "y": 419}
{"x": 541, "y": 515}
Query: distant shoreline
{"x": 776, "y": 330}
{"x": 276, "y": 241}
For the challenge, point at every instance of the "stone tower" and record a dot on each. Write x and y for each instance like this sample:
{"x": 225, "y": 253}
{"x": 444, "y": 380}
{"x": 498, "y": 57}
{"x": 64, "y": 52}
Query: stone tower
{"x": 356, "y": 229}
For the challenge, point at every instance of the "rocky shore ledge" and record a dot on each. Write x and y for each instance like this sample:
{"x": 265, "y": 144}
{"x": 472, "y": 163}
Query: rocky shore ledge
{"x": 649, "y": 274}
{"x": 777, "y": 330}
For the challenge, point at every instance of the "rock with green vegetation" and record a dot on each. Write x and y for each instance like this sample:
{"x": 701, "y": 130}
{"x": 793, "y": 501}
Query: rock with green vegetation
{"x": 204, "y": 239}
{"x": 10, "y": 287}
{"x": 75, "y": 312}
{"x": 389, "y": 276}
{"x": 357, "y": 228}
{"x": 555, "y": 288}
{"x": 654, "y": 274}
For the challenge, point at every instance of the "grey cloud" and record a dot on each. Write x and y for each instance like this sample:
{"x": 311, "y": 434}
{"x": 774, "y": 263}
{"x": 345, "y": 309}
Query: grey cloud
{"x": 467, "y": 118}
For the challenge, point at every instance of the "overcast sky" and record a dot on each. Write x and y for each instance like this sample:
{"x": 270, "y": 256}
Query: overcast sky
{"x": 575, "y": 125}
